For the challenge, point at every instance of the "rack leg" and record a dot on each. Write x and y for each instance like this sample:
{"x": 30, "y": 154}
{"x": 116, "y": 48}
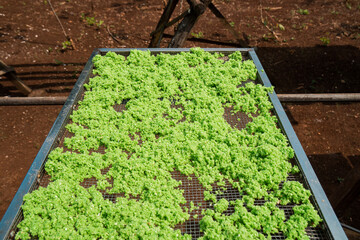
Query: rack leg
{"x": 169, "y": 9}
{"x": 9, "y": 72}
{"x": 188, "y": 23}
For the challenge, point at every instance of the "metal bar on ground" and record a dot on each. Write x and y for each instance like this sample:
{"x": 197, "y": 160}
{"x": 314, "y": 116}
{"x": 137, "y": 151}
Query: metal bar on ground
{"x": 319, "y": 97}
{"x": 350, "y": 228}
{"x": 32, "y": 101}
{"x": 322, "y": 97}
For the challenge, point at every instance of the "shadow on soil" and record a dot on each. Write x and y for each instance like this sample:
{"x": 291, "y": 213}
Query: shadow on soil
{"x": 319, "y": 69}
{"x": 44, "y": 78}
{"x": 333, "y": 69}
{"x": 335, "y": 169}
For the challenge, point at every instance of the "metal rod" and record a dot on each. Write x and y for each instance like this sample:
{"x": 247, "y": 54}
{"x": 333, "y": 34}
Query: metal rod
{"x": 319, "y": 97}
{"x": 32, "y": 101}
{"x": 350, "y": 227}
{"x": 324, "y": 97}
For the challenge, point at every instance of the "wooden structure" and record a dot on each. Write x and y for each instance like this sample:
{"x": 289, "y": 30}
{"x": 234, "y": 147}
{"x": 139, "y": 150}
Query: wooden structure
{"x": 10, "y": 73}
{"x": 189, "y": 18}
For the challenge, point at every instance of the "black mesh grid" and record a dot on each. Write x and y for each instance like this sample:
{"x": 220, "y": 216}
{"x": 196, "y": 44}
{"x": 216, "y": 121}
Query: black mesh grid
{"x": 193, "y": 190}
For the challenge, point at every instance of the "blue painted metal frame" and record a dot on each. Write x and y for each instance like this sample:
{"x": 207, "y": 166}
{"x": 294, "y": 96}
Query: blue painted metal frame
{"x": 30, "y": 179}
{"x": 330, "y": 219}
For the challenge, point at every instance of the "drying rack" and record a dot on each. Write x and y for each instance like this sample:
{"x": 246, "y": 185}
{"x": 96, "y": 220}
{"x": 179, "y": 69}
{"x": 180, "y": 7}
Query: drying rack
{"x": 36, "y": 176}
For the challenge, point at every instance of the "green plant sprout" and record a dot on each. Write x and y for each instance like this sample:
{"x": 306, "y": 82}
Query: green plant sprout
{"x": 348, "y": 5}
{"x": 325, "y": 41}
{"x": 91, "y": 21}
{"x": 65, "y": 45}
{"x": 340, "y": 179}
{"x": 303, "y": 11}
{"x": 281, "y": 27}
{"x": 58, "y": 62}
{"x": 313, "y": 84}
{"x": 197, "y": 35}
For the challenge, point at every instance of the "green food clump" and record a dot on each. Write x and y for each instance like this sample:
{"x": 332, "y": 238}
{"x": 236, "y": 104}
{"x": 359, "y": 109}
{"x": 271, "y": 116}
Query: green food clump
{"x": 155, "y": 115}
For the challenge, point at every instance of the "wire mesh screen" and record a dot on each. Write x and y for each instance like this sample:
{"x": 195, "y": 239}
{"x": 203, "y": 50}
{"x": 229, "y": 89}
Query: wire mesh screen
{"x": 193, "y": 190}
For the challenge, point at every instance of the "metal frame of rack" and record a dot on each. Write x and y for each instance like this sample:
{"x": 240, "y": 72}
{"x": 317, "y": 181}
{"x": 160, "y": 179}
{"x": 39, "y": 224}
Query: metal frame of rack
{"x": 31, "y": 181}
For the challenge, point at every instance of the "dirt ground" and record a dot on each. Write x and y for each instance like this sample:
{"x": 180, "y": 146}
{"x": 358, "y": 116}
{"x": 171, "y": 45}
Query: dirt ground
{"x": 305, "y": 46}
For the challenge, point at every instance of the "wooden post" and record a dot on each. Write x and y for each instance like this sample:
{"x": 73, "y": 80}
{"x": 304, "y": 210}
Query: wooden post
{"x": 156, "y": 37}
{"x": 190, "y": 17}
{"x": 9, "y": 72}
{"x": 197, "y": 8}
{"x": 172, "y": 22}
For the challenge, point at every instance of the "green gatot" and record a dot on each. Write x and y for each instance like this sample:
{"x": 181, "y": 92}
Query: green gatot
{"x": 175, "y": 109}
